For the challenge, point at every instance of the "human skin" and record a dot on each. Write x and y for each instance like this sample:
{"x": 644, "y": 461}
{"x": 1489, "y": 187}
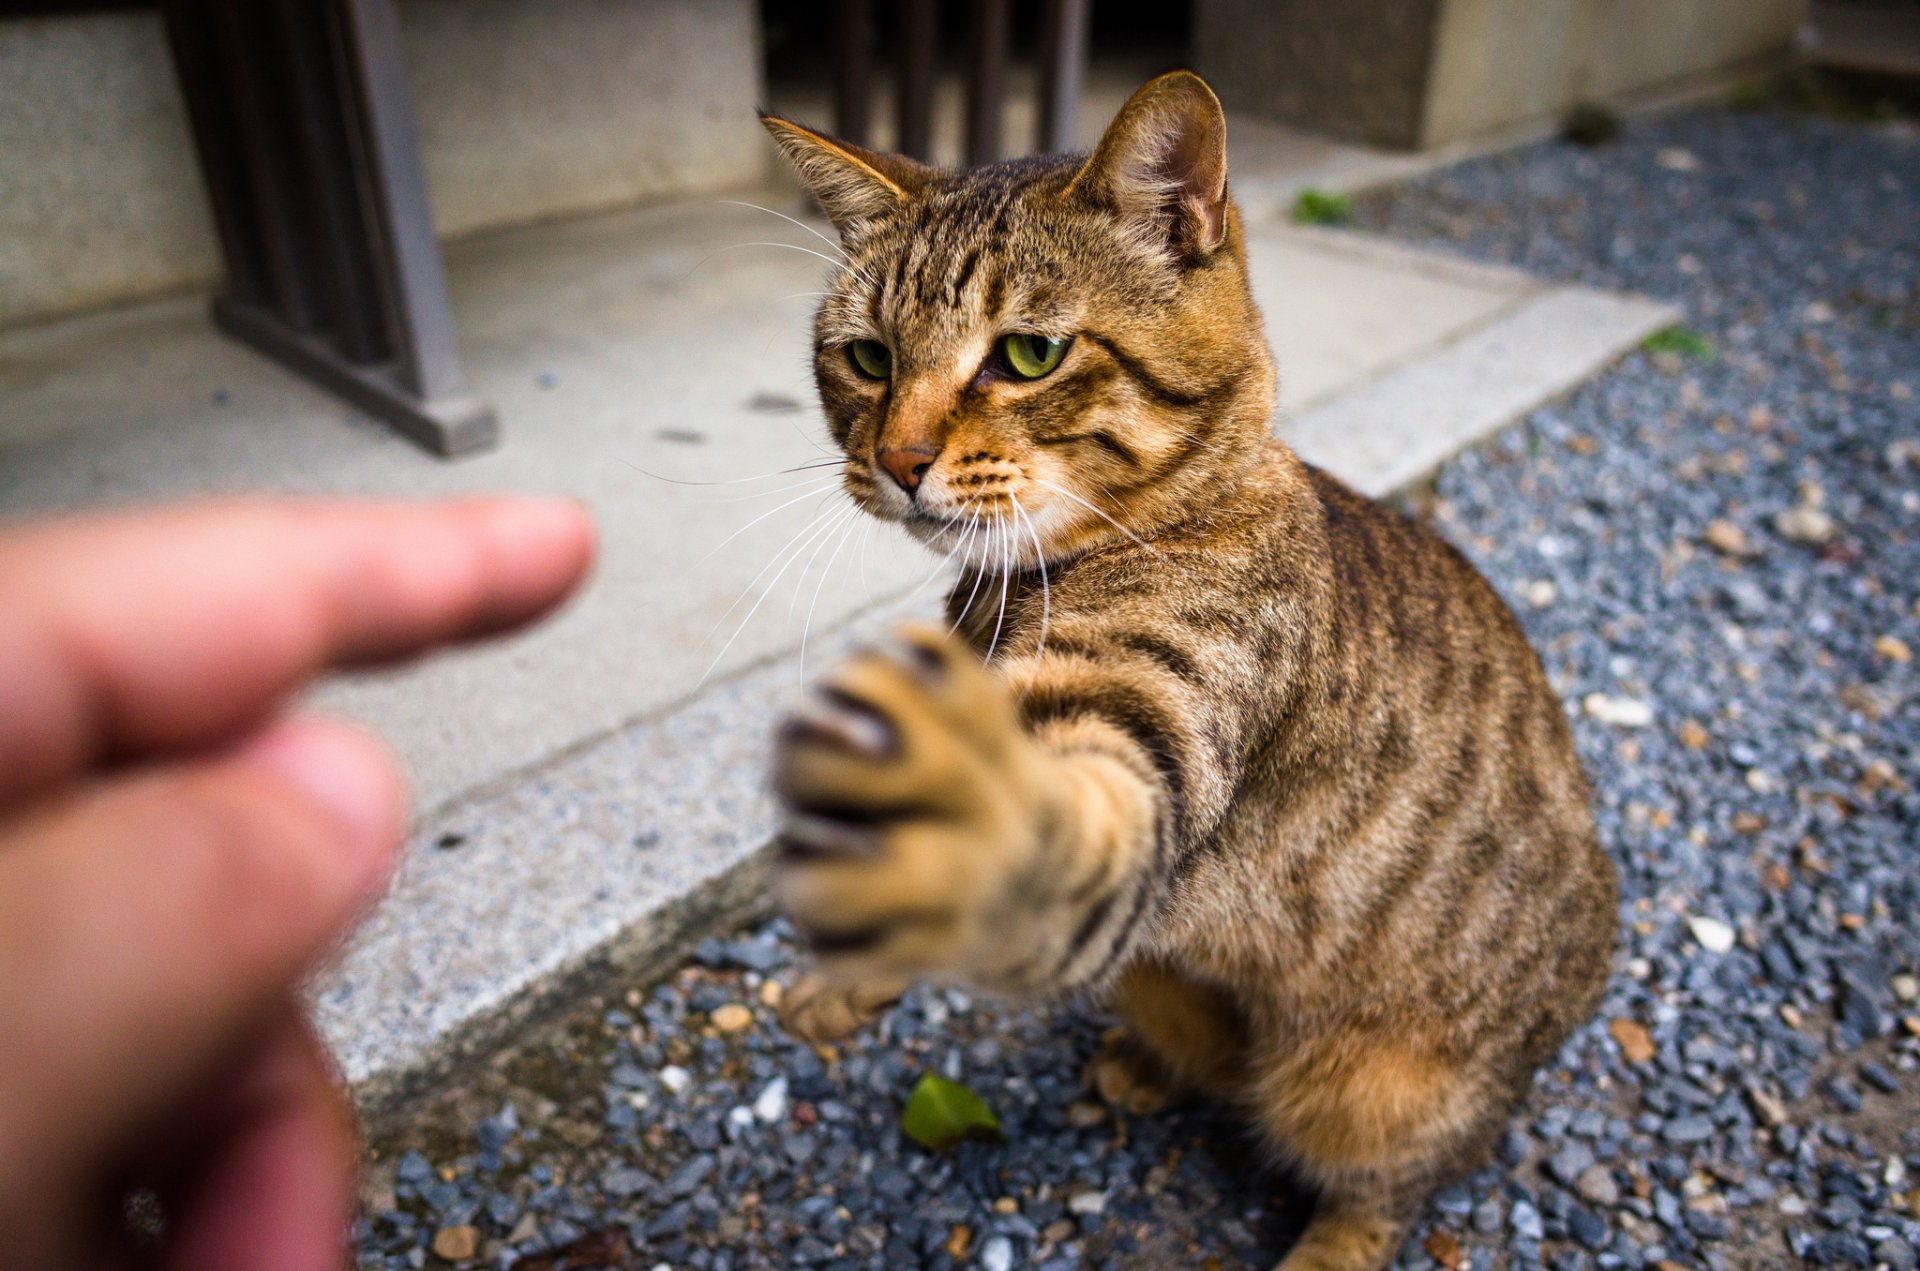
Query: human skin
{"x": 177, "y": 851}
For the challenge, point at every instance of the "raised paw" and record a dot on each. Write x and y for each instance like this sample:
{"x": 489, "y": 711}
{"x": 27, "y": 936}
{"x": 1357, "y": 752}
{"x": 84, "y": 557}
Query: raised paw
{"x": 821, "y": 1010}
{"x": 913, "y": 802}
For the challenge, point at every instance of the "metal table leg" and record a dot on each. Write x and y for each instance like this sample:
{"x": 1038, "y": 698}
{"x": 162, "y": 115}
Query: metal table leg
{"x": 305, "y": 128}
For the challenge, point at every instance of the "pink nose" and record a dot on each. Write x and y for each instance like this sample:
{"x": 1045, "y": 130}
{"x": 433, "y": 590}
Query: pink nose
{"x": 907, "y": 464}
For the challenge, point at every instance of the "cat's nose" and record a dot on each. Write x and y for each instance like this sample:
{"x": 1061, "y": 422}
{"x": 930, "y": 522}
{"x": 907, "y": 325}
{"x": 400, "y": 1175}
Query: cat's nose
{"x": 907, "y": 465}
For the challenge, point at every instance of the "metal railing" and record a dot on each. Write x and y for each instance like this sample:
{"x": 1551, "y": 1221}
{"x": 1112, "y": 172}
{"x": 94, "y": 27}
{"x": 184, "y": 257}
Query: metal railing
{"x": 1062, "y": 57}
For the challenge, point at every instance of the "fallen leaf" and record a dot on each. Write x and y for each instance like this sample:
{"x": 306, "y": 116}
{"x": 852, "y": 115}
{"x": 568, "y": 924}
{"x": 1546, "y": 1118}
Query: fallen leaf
{"x": 959, "y": 1240}
{"x": 1634, "y": 1040}
{"x": 941, "y": 1113}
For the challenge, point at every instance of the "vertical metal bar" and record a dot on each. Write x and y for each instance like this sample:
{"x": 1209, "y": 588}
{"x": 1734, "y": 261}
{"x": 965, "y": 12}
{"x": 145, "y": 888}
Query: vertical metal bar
{"x": 247, "y": 51}
{"x": 345, "y": 281}
{"x": 986, "y": 77}
{"x": 852, "y": 62}
{"x": 210, "y": 112}
{"x": 406, "y": 254}
{"x": 1063, "y": 61}
{"x": 918, "y": 67}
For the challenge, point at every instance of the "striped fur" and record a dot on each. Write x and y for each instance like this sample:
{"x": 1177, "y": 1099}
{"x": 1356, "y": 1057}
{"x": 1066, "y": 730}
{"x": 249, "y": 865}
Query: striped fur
{"x": 1266, "y": 763}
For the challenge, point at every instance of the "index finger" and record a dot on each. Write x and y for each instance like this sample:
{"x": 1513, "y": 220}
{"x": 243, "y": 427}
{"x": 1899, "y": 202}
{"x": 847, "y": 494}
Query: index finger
{"x": 170, "y": 630}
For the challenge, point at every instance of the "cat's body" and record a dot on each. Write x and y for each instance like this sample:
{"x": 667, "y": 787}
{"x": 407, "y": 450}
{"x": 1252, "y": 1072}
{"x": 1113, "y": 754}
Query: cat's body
{"x": 1266, "y": 763}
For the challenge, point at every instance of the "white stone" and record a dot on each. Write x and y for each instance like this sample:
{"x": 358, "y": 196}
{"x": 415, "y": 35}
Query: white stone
{"x": 1905, "y": 987}
{"x": 997, "y": 1255}
{"x": 1804, "y": 523}
{"x": 1087, "y": 1203}
{"x": 1714, "y": 936}
{"x": 674, "y": 1078}
{"x": 771, "y": 1106}
{"x": 1621, "y": 712}
{"x": 1541, "y": 593}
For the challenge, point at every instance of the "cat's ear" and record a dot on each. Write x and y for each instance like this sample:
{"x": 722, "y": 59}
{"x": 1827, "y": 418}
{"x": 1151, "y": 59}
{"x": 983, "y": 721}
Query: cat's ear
{"x": 1163, "y": 160}
{"x": 852, "y": 185}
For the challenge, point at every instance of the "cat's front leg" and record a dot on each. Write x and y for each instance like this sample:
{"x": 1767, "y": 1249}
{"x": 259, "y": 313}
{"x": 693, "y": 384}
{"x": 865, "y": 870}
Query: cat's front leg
{"x": 917, "y": 811}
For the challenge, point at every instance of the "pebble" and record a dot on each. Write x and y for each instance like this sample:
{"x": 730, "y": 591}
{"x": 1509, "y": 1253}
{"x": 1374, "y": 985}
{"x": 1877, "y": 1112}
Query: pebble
{"x": 732, "y": 1018}
{"x": 771, "y": 1105}
{"x": 1714, "y": 936}
{"x": 456, "y": 1244}
{"x": 1621, "y": 712}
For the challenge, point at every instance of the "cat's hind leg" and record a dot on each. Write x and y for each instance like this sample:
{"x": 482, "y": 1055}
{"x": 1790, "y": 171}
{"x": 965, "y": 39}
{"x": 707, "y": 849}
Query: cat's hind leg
{"x": 1357, "y": 1233}
{"x": 1374, "y": 1121}
{"x": 1191, "y": 1031}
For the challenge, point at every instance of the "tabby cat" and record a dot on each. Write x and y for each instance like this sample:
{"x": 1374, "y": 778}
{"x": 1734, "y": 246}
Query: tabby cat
{"x": 1261, "y": 762}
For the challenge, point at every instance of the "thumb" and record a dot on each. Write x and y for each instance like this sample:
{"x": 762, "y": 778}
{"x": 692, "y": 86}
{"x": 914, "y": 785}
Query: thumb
{"x": 149, "y": 927}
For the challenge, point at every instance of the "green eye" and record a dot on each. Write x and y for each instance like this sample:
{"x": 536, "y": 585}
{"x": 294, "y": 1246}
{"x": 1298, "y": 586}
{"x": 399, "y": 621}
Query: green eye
{"x": 871, "y": 358}
{"x": 1031, "y": 356}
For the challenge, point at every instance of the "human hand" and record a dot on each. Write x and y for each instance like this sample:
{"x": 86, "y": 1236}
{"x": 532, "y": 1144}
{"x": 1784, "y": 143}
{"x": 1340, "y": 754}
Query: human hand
{"x": 175, "y": 855}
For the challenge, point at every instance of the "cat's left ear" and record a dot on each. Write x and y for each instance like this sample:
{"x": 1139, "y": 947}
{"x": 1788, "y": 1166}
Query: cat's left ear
{"x": 1163, "y": 161}
{"x": 852, "y": 185}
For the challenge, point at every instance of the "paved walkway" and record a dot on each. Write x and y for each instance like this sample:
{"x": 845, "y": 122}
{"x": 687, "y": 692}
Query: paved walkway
{"x": 1715, "y": 546}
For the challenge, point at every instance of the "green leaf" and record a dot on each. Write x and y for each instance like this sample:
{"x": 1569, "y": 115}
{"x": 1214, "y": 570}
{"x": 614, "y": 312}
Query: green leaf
{"x": 1680, "y": 342}
{"x": 941, "y": 1113}
{"x": 1319, "y": 207}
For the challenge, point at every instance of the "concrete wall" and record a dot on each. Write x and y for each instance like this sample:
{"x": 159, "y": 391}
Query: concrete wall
{"x": 1506, "y": 63}
{"x": 1355, "y": 69}
{"x": 1421, "y": 73}
{"x": 527, "y": 110}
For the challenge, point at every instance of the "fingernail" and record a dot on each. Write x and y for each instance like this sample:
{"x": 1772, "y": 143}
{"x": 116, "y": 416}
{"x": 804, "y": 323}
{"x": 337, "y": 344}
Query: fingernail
{"x": 349, "y": 775}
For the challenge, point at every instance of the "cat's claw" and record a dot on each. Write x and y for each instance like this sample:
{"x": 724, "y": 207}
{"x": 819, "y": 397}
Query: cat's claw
{"x": 911, "y": 797}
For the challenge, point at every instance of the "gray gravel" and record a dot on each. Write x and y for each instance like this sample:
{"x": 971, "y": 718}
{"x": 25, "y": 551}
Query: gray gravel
{"x": 1719, "y": 557}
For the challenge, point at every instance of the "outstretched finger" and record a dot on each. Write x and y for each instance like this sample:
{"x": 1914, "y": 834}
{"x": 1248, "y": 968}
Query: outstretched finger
{"x": 161, "y": 632}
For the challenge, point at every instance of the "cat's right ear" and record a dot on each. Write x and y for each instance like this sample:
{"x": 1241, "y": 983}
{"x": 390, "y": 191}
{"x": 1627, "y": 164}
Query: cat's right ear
{"x": 852, "y": 185}
{"x": 1163, "y": 165}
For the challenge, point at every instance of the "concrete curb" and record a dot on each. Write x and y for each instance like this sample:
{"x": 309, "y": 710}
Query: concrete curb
{"x": 1397, "y": 429}
{"x": 610, "y": 862}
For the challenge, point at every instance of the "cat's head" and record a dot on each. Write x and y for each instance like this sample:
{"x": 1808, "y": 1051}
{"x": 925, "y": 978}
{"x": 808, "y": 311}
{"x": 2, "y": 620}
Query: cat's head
{"x": 1023, "y": 356}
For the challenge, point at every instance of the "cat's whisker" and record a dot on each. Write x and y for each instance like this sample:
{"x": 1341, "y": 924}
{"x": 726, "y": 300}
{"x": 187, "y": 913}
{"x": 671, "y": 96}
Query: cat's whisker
{"x": 816, "y": 483}
{"x": 847, "y": 265}
{"x": 793, "y": 220}
{"x": 979, "y": 571}
{"x": 1040, "y": 557}
{"x": 860, "y": 554}
{"x": 772, "y": 584}
{"x": 764, "y": 476}
{"x": 800, "y": 584}
{"x": 816, "y": 487}
{"x": 795, "y": 544}
{"x": 1006, "y": 585}
{"x": 1061, "y": 490}
{"x": 806, "y": 628}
